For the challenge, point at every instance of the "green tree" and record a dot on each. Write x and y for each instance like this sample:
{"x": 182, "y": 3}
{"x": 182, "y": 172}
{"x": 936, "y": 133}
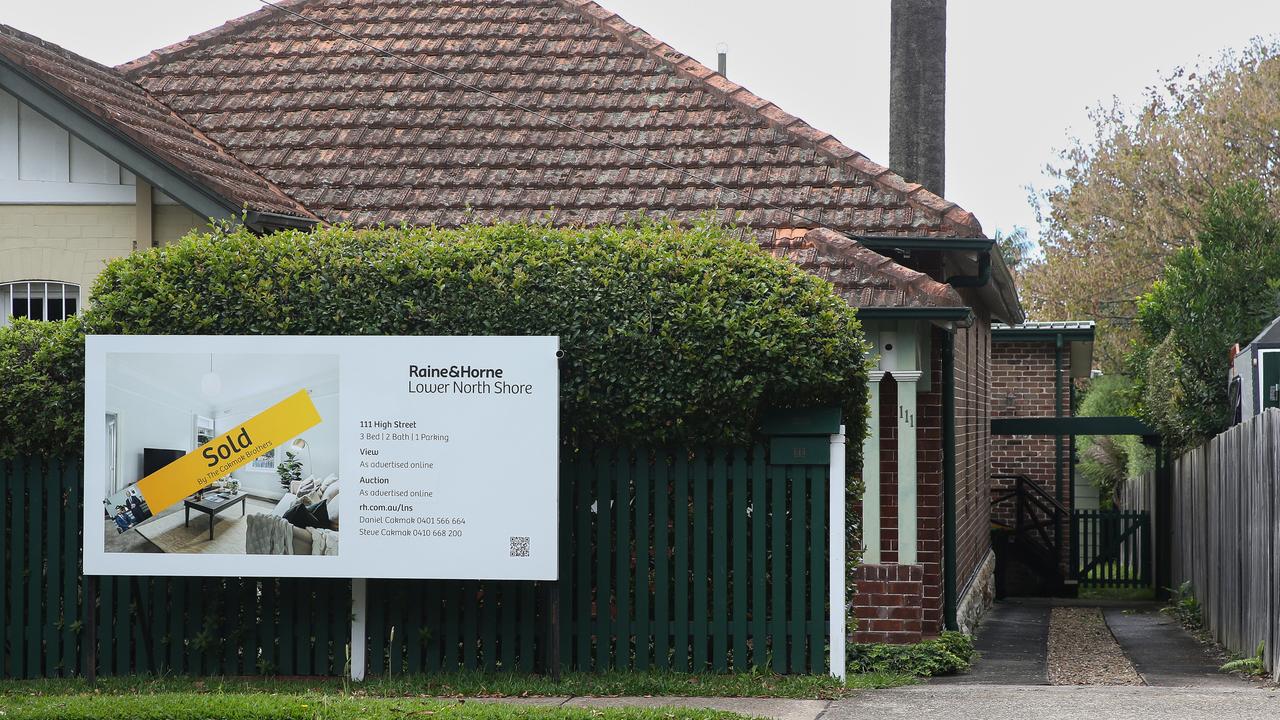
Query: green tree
{"x": 1221, "y": 291}
{"x": 1128, "y": 198}
{"x": 1107, "y": 461}
{"x": 1015, "y": 247}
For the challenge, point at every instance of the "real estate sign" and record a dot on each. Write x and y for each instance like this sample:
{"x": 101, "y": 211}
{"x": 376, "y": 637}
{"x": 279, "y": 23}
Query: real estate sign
{"x": 360, "y": 457}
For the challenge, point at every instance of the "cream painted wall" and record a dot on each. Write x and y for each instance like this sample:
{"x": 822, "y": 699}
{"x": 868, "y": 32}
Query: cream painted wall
{"x": 72, "y": 243}
{"x": 171, "y": 222}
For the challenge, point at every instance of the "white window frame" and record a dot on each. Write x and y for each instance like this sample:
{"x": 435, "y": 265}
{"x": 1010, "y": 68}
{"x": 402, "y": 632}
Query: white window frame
{"x": 266, "y": 462}
{"x": 12, "y": 291}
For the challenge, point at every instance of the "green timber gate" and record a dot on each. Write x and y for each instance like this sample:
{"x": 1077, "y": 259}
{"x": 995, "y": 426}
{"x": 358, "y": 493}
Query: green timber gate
{"x": 706, "y": 559}
{"x": 1112, "y": 548}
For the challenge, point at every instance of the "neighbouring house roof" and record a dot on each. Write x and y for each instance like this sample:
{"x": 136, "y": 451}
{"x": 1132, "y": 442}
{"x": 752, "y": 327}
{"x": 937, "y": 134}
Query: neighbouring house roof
{"x": 864, "y": 278}
{"x": 1073, "y": 329}
{"x": 1269, "y": 334}
{"x": 368, "y": 139}
{"x": 102, "y": 93}
{"x": 1076, "y": 335}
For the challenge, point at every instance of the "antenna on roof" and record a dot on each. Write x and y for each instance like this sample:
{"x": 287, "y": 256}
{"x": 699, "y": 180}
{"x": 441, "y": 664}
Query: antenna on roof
{"x": 722, "y": 59}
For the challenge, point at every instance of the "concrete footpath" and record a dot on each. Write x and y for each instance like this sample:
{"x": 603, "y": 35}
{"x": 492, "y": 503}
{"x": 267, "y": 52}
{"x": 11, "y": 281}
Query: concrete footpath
{"x": 779, "y": 708}
{"x": 977, "y": 702}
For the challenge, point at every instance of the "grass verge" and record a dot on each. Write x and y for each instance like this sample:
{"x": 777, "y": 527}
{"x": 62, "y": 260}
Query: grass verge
{"x": 477, "y": 684}
{"x": 263, "y": 706}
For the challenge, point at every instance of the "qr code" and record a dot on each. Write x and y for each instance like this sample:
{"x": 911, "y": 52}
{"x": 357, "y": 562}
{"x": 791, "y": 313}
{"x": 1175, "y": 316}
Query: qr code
{"x": 519, "y": 546}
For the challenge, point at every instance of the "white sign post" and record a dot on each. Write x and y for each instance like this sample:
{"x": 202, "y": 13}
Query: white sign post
{"x": 359, "y": 627}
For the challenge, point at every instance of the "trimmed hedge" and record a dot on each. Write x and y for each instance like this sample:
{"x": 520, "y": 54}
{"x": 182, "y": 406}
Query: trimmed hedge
{"x": 42, "y": 388}
{"x": 671, "y": 335}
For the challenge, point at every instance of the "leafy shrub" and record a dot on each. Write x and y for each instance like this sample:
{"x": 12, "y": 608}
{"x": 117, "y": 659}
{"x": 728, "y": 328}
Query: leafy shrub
{"x": 1221, "y": 291}
{"x": 41, "y": 388}
{"x": 1107, "y": 461}
{"x": 669, "y": 334}
{"x": 1255, "y": 666}
{"x": 1184, "y": 607}
{"x": 949, "y": 653}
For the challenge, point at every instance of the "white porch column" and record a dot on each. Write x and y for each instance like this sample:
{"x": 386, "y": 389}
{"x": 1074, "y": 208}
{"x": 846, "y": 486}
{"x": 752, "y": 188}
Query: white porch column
{"x": 907, "y": 380}
{"x": 871, "y": 477}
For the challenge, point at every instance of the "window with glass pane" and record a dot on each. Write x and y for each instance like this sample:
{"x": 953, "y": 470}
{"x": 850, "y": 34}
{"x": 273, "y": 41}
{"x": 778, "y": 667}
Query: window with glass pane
{"x": 38, "y": 300}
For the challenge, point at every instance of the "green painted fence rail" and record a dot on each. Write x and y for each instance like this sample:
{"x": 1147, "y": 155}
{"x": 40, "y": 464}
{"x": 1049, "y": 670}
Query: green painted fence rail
{"x": 694, "y": 560}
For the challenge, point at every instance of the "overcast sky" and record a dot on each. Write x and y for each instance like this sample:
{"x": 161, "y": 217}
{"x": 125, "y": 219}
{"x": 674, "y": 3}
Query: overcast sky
{"x": 1021, "y": 73}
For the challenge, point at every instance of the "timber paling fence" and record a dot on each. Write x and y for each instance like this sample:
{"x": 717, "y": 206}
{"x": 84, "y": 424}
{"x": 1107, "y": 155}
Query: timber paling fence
{"x": 1224, "y": 508}
{"x": 687, "y": 560}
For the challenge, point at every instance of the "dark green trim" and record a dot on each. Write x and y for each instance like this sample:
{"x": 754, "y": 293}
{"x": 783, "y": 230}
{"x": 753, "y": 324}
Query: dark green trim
{"x": 1119, "y": 425}
{"x": 1071, "y": 448}
{"x": 960, "y": 314}
{"x": 949, "y": 599}
{"x": 890, "y": 242}
{"x": 801, "y": 421}
{"x": 1008, "y": 335}
{"x": 1057, "y": 412}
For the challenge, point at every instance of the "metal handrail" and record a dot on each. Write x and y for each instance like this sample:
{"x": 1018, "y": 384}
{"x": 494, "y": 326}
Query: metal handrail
{"x": 1035, "y": 487}
{"x": 1038, "y": 514}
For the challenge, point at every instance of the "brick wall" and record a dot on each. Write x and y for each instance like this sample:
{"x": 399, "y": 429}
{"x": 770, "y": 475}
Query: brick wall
{"x": 887, "y": 603}
{"x": 973, "y": 381}
{"x": 1023, "y": 386}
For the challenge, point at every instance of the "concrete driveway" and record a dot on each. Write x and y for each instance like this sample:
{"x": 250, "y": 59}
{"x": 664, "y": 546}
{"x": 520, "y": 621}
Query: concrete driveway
{"x": 1009, "y": 680}
{"x": 1069, "y": 702}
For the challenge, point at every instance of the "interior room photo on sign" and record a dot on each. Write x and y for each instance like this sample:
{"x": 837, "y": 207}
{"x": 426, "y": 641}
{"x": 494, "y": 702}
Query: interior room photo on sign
{"x": 221, "y": 453}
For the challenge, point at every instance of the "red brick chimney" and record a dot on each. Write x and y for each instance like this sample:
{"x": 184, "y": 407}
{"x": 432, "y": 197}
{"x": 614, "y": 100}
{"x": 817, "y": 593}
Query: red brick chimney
{"x": 917, "y": 91}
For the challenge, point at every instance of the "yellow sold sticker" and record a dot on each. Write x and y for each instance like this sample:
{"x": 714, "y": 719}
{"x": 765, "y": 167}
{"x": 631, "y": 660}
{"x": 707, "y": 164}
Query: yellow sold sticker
{"x": 230, "y": 451}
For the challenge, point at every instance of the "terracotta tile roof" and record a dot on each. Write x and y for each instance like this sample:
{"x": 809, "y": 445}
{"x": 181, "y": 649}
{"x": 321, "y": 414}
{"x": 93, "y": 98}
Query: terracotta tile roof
{"x": 368, "y": 139}
{"x": 864, "y": 278}
{"x": 105, "y": 94}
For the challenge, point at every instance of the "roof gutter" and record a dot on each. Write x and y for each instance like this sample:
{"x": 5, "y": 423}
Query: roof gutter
{"x": 959, "y": 315}
{"x": 909, "y": 243}
{"x": 265, "y": 222}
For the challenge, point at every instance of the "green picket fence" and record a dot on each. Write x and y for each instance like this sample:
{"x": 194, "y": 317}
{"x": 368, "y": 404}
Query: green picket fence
{"x": 691, "y": 560}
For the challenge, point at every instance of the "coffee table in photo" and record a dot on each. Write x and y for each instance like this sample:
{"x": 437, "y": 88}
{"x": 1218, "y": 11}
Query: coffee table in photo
{"x": 212, "y": 507}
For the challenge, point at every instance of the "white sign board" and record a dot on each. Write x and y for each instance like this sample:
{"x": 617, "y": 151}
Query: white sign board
{"x": 344, "y": 457}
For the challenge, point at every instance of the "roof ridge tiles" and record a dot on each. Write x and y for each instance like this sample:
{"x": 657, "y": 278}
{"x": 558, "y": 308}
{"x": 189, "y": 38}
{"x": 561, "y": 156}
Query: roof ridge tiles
{"x": 960, "y": 219}
{"x": 200, "y": 39}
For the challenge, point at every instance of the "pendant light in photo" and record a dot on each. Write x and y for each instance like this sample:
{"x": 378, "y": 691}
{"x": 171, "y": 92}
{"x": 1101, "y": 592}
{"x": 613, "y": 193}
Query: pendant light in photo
{"x": 211, "y": 382}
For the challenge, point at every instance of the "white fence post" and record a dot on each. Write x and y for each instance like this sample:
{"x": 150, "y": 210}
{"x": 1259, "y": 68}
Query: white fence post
{"x": 837, "y": 580}
{"x": 359, "y": 623}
